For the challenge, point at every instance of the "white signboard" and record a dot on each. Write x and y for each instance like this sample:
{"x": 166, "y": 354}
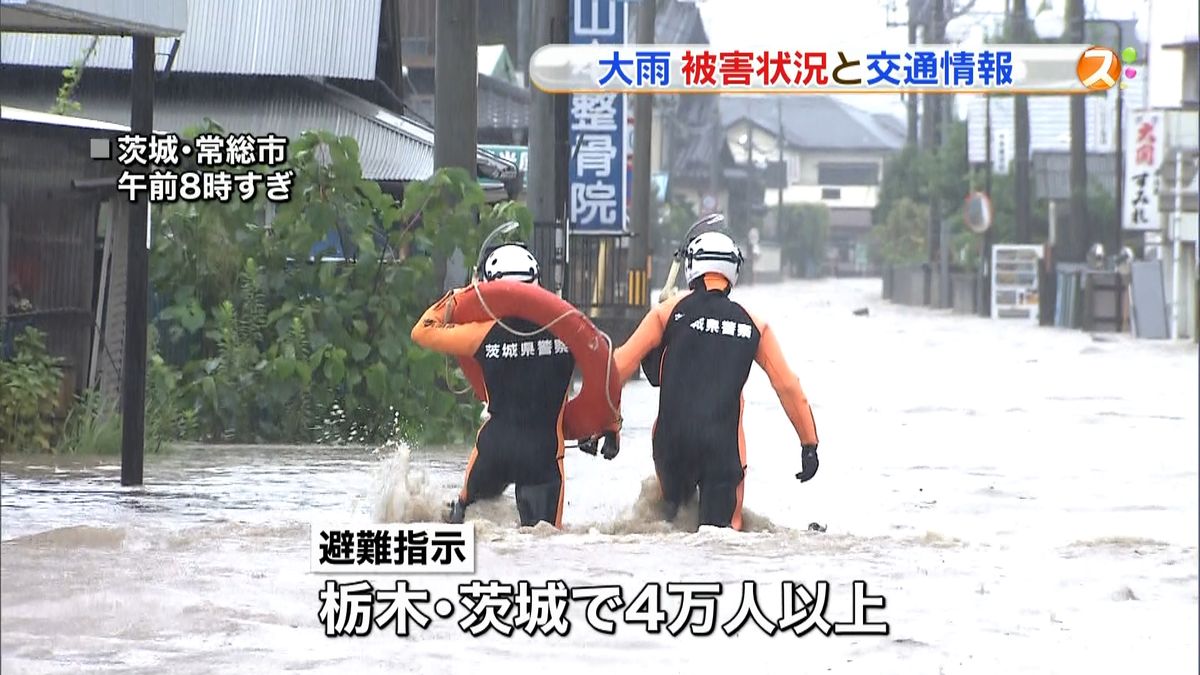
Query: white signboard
{"x": 1143, "y": 157}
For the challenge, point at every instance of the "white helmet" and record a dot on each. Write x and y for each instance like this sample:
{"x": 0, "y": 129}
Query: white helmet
{"x": 713, "y": 252}
{"x": 510, "y": 261}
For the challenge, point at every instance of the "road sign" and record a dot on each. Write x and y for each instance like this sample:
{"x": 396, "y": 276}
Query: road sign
{"x": 977, "y": 212}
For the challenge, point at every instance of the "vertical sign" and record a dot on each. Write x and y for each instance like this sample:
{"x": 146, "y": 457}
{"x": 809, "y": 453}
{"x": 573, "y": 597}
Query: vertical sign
{"x": 598, "y": 172}
{"x": 1143, "y": 156}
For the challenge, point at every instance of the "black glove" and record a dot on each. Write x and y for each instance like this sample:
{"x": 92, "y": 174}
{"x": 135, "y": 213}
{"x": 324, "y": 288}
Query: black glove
{"x": 612, "y": 445}
{"x": 808, "y": 463}
{"x": 608, "y": 444}
{"x": 589, "y": 445}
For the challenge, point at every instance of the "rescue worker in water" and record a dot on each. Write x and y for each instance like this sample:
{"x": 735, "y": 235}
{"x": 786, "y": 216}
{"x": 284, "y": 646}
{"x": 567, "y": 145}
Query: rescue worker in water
{"x": 522, "y": 439}
{"x": 697, "y": 348}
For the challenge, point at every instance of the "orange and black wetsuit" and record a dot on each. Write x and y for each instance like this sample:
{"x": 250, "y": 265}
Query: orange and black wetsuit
{"x": 527, "y": 382}
{"x": 698, "y": 348}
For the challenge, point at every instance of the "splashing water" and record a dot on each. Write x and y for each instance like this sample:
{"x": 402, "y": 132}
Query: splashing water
{"x": 402, "y": 493}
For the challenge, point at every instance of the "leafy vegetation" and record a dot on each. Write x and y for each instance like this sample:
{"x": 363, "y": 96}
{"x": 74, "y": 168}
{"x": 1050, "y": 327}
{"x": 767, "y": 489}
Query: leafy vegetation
{"x": 910, "y": 180}
{"x": 33, "y": 420}
{"x": 806, "y": 238}
{"x": 264, "y": 343}
{"x": 262, "y": 336}
{"x": 64, "y": 103}
{"x": 29, "y": 386}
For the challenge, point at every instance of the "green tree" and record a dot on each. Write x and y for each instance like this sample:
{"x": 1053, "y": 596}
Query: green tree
{"x": 911, "y": 179}
{"x": 900, "y": 239}
{"x": 806, "y": 238}
{"x": 276, "y": 346}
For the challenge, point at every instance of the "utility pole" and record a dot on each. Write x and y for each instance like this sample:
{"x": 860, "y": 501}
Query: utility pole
{"x": 911, "y": 99}
{"x": 945, "y": 115}
{"x": 455, "y": 85}
{"x": 137, "y": 281}
{"x": 549, "y": 27}
{"x": 716, "y": 166}
{"x": 779, "y": 224}
{"x": 391, "y": 65}
{"x": 984, "y": 297}
{"x": 1076, "y": 241}
{"x": 643, "y": 115}
{"x": 524, "y": 26}
{"x": 931, "y": 121}
{"x": 1021, "y": 188}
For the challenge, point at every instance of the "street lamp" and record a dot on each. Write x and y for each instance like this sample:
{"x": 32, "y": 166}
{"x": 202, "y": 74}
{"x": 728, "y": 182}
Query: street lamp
{"x": 1049, "y": 25}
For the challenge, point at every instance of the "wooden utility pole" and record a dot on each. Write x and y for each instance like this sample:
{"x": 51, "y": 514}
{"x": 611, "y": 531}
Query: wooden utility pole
{"x": 545, "y": 198}
{"x": 931, "y": 123}
{"x": 643, "y": 115}
{"x": 133, "y": 388}
{"x": 910, "y": 100}
{"x": 1021, "y": 188}
{"x": 1076, "y": 241}
{"x": 455, "y": 86}
{"x": 391, "y": 64}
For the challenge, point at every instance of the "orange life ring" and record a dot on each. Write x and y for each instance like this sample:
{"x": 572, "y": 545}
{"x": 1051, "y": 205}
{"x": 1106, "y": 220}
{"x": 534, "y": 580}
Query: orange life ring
{"x": 597, "y": 407}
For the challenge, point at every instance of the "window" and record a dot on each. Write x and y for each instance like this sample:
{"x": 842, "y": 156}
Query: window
{"x": 831, "y": 193}
{"x": 847, "y": 173}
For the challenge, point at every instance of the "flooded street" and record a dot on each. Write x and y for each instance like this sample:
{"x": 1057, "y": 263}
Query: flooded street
{"x": 1025, "y": 498}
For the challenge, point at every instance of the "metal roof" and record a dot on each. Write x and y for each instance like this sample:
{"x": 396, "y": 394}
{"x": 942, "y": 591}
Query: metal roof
{"x": 391, "y": 148}
{"x": 676, "y": 23}
{"x": 95, "y": 17}
{"x": 813, "y": 122}
{"x": 245, "y": 37}
{"x": 500, "y": 105}
{"x": 694, "y": 140}
{"x": 11, "y": 114}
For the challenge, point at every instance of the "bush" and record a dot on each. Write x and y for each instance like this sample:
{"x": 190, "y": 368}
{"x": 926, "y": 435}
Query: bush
{"x": 900, "y": 239}
{"x": 806, "y": 238}
{"x": 274, "y": 347}
{"x": 29, "y": 386}
{"x": 910, "y": 180}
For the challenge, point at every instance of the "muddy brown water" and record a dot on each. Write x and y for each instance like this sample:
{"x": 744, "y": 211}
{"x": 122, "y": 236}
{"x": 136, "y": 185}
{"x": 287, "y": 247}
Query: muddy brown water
{"x": 1025, "y": 498}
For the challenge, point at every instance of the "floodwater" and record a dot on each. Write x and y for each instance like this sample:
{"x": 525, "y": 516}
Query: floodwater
{"x": 1025, "y": 498}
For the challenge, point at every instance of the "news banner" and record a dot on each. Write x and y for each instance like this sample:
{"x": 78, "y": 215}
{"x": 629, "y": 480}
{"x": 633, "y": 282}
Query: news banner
{"x": 357, "y": 606}
{"x": 612, "y": 67}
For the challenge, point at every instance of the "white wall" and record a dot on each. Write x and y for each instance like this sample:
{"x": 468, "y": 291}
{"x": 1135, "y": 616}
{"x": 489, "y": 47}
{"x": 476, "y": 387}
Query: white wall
{"x": 803, "y": 174}
{"x": 1170, "y": 22}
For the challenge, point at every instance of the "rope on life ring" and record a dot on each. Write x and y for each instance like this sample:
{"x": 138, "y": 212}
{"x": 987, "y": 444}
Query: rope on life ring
{"x": 523, "y": 300}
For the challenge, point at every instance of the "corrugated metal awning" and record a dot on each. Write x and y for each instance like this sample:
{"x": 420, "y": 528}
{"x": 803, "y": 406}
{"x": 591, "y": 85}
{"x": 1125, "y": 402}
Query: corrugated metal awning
{"x": 247, "y": 37}
{"x": 391, "y": 147}
{"x": 93, "y": 17}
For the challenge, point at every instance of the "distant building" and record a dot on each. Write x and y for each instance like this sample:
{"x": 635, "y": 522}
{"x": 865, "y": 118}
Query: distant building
{"x": 1050, "y": 116}
{"x": 272, "y": 66}
{"x": 239, "y": 65}
{"x": 690, "y": 163}
{"x": 1190, "y": 48}
{"x": 835, "y": 155}
{"x": 1183, "y": 141}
